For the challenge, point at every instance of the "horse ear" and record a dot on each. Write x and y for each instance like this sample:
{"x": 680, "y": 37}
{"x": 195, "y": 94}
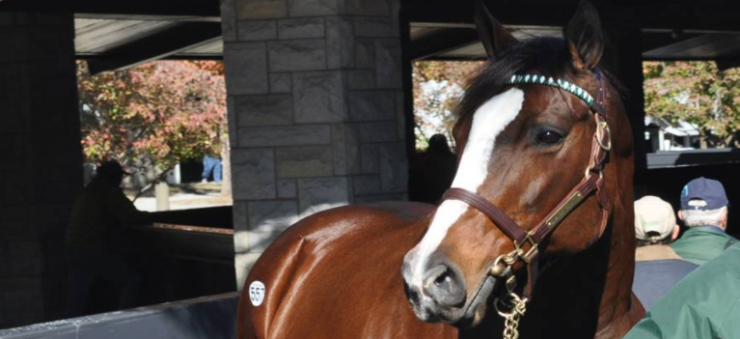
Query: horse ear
{"x": 584, "y": 37}
{"x": 494, "y": 36}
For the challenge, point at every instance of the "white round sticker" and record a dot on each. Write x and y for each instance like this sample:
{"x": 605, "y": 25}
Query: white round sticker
{"x": 257, "y": 293}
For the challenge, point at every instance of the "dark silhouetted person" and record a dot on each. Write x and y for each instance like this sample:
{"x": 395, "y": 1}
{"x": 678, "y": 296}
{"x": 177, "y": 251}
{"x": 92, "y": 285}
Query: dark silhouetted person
{"x": 704, "y": 211}
{"x": 432, "y": 172}
{"x": 95, "y": 241}
{"x": 658, "y": 267}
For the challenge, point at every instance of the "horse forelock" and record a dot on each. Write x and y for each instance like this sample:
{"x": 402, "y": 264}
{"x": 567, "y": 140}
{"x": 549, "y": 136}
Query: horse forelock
{"x": 543, "y": 56}
{"x": 546, "y": 55}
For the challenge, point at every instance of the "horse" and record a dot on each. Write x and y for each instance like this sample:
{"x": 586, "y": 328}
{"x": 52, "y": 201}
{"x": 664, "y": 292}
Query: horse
{"x": 535, "y": 237}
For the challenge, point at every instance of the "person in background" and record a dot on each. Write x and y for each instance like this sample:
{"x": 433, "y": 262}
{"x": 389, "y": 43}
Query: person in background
{"x": 211, "y": 165}
{"x": 432, "y": 172}
{"x": 658, "y": 267}
{"x": 705, "y": 304}
{"x": 95, "y": 240}
{"x": 704, "y": 211}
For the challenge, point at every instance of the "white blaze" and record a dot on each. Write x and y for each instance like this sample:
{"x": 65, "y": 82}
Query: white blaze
{"x": 488, "y": 122}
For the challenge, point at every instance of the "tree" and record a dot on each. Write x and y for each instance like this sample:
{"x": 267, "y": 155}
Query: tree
{"x": 696, "y": 92}
{"x": 218, "y": 69}
{"x": 156, "y": 114}
{"x": 438, "y": 87}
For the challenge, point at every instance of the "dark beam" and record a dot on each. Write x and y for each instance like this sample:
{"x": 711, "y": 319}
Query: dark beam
{"x": 209, "y": 8}
{"x": 160, "y": 45}
{"x": 623, "y": 56}
{"x": 693, "y": 158}
{"x": 442, "y": 41}
{"x": 713, "y": 15}
{"x": 725, "y": 64}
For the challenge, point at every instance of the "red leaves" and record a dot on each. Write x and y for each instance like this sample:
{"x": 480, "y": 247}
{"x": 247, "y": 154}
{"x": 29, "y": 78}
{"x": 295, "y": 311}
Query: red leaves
{"x": 168, "y": 109}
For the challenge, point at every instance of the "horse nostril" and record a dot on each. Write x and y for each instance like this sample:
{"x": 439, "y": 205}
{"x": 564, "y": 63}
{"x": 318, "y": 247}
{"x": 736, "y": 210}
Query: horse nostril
{"x": 444, "y": 285}
{"x": 443, "y": 279}
{"x": 433, "y": 274}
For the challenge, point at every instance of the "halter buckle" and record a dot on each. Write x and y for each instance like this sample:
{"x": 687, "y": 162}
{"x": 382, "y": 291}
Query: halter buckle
{"x": 602, "y": 128}
{"x": 526, "y": 256}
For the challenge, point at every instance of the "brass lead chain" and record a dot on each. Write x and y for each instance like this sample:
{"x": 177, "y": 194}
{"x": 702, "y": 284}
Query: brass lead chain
{"x": 515, "y": 305}
{"x": 511, "y": 322}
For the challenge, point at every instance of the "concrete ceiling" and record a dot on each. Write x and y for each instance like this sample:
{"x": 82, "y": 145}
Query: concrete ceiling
{"x": 116, "y": 43}
{"x": 95, "y": 37}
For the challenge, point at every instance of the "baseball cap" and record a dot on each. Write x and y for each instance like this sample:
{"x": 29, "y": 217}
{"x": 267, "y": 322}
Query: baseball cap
{"x": 653, "y": 214}
{"x": 703, "y": 194}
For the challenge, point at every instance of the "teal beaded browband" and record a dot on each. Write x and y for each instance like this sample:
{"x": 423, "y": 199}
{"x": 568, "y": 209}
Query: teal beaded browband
{"x": 562, "y": 84}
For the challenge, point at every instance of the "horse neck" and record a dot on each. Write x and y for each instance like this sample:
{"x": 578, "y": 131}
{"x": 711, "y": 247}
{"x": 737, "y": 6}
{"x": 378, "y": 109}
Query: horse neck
{"x": 585, "y": 294}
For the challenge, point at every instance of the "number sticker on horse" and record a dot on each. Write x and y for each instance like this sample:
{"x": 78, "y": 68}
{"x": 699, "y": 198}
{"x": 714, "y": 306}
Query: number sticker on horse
{"x": 257, "y": 293}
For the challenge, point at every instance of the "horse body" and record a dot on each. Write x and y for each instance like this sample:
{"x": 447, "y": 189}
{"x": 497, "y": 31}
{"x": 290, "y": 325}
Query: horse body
{"x": 340, "y": 267}
{"x": 336, "y": 275}
{"x": 353, "y": 272}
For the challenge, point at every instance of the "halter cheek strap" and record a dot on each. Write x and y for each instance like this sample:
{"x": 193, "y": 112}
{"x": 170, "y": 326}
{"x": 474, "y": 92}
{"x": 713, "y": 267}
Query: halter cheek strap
{"x": 527, "y": 243}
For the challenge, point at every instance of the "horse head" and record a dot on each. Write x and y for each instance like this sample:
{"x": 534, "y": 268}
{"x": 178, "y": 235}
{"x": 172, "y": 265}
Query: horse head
{"x": 532, "y": 126}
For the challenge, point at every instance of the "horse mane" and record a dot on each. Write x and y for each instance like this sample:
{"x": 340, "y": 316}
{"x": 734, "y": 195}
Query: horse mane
{"x": 541, "y": 55}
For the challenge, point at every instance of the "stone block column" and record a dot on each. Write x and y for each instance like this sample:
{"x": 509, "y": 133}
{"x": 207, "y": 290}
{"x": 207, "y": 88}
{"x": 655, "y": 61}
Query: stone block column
{"x": 316, "y": 111}
{"x": 41, "y": 166}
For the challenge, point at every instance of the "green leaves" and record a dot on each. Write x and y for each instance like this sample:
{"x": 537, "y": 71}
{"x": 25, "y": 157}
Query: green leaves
{"x": 695, "y": 92}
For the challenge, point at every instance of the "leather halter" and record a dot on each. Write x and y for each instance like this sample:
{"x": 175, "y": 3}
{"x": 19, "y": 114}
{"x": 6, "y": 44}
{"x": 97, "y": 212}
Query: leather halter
{"x": 527, "y": 243}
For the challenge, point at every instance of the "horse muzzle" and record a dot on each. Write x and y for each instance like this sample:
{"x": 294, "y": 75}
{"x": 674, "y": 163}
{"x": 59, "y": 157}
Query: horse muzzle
{"x": 438, "y": 292}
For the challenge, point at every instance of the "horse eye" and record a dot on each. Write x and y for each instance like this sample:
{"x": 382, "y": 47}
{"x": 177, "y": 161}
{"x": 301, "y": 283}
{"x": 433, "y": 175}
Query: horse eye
{"x": 549, "y": 138}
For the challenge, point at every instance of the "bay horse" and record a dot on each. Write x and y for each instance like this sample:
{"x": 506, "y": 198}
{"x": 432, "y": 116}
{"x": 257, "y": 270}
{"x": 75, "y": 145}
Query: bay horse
{"x": 538, "y": 222}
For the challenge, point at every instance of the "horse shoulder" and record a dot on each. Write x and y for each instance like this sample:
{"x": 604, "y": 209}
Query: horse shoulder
{"x": 337, "y": 274}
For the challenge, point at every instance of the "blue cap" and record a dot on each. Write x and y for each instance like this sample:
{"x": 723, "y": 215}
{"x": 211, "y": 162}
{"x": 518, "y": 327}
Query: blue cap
{"x": 703, "y": 194}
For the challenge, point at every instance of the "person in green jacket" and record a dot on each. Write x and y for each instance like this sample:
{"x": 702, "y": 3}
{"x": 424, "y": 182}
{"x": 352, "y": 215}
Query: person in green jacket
{"x": 705, "y": 304}
{"x": 704, "y": 211}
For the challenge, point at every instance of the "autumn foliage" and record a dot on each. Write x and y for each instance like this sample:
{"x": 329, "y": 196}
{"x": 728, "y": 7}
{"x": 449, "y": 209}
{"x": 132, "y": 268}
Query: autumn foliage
{"x": 696, "y": 92}
{"x": 159, "y": 113}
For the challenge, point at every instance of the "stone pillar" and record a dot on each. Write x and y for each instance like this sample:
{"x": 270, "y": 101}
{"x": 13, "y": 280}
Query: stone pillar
{"x": 316, "y": 111}
{"x": 41, "y": 166}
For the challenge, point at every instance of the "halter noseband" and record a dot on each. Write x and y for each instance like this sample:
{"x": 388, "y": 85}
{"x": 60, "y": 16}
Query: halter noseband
{"x": 527, "y": 243}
